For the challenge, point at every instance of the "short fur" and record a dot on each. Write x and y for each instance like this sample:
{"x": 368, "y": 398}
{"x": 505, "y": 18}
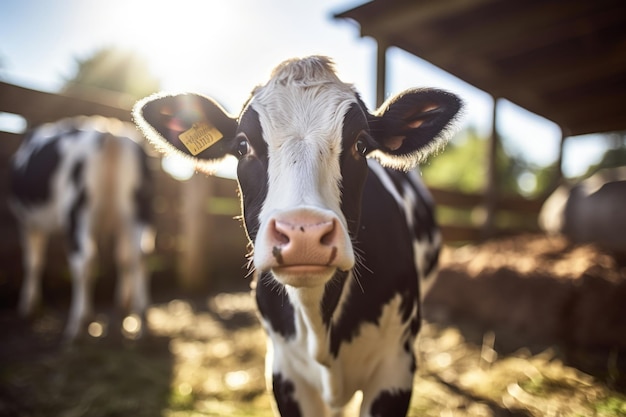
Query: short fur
{"x": 340, "y": 242}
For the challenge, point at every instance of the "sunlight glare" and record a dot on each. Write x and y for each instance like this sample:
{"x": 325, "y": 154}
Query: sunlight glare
{"x": 527, "y": 182}
{"x": 177, "y": 38}
{"x": 178, "y": 167}
{"x": 182, "y": 169}
{"x": 132, "y": 326}
{"x": 13, "y": 123}
{"x": 185, "y": 389}
{"x": 95, "y": 329}
{"x": 237, "y": 379}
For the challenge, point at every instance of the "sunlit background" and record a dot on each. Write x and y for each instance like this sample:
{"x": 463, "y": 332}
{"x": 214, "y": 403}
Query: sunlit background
{"x": 206, "y": 356}
{"x": 224, "y": 48}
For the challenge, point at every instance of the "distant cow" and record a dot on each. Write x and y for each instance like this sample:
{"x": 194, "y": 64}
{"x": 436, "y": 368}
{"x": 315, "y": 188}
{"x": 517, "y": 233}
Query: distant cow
{"x": 593, "y": 210}
{"x": 339, "y": 241}
{"x": 82, "y": 176}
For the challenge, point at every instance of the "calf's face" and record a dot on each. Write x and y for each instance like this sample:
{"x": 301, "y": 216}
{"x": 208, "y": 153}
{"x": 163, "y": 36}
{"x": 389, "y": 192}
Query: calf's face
{"x": 302, "y": 141}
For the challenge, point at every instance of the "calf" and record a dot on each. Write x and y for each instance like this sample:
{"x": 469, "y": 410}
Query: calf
{"x": 339, "y": 240}
{"x": 590, "y": 211}
{"x": 81, "y": 176}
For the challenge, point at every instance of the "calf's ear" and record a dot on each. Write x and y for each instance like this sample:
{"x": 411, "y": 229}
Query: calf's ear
{"x": 412, "y": 125}
{"x": 187, "y": 124}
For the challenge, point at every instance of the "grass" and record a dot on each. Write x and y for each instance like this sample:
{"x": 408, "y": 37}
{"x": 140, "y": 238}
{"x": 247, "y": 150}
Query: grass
{"x": 206, "y": 359}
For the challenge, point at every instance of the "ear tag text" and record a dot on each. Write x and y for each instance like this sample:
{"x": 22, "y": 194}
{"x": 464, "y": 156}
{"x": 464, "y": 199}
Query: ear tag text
{"x": 199, "y": 137}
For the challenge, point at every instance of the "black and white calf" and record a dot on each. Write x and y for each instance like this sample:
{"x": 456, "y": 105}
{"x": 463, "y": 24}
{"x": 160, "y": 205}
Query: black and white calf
{"x": 82, "y": 176}
{"x": 339, "y": 241}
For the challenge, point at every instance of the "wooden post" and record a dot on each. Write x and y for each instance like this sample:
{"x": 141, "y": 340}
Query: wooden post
{"x": 491, "y": 188}
{"x": 558, "y": 170}
{"x": 381, "y": 72}
{"x": 195, "y": 264}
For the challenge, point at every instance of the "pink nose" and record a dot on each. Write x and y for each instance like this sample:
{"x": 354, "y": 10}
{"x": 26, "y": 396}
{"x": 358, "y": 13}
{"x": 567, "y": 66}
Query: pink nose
{"x": 304, "y": 239}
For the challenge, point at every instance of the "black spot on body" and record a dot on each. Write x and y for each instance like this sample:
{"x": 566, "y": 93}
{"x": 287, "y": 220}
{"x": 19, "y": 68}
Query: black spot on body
{"x": 432, "y": 260}
{"x": 283, "y": 393}
{"x": 73, "y": 231}
{"x": 423, "y": 212}
{"x": 275, "y": 306}
{"x": 391, "y": 404}
{"x": 31, "y": 183}
{"x": 416, "y": 324}
{"x": 379, "y": 279}
{"x": 76, "y": 173}
{"x": 277, "y": 253}
{"x": 332, "y": 294}
{"x": 407, "y": 305}
{"x": 413, "y": 366}
{"x": 144, "y": 192}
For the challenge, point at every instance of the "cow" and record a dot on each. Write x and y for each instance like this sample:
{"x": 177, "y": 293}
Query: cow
{"x": 590, "y": 211}
{"x": 340, "y": 233}
{"x": 83, "y": 177}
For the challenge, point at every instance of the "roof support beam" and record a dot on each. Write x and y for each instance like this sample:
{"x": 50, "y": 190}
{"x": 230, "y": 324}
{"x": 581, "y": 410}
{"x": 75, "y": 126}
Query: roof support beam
{"x": 561, "y": 60}
{"x": 400, "y": 16}
{"x": 491, "y": 187}
{"x": 381, "y": 72}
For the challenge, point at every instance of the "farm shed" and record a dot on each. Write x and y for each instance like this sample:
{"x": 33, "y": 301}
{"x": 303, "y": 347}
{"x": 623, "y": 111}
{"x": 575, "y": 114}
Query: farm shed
{"x": 563, "y": 60}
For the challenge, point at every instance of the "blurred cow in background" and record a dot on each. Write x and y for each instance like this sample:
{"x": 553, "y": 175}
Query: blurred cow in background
{"x": 83, "y": 176}
{"x": 593, "y": 210}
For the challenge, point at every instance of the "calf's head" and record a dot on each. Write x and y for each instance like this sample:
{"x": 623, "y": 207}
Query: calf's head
{"x": 302, "y": 141}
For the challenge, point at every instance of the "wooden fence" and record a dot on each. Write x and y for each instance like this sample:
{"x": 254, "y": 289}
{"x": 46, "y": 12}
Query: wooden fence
{"x": 198, "y": 242}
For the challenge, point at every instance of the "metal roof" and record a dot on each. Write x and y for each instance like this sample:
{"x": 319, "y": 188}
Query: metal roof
{"x": 564, "y": 60}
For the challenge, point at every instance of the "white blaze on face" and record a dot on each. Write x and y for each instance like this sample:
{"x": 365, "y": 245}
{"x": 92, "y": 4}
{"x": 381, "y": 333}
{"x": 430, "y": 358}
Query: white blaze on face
{"x": 302, "y": 125}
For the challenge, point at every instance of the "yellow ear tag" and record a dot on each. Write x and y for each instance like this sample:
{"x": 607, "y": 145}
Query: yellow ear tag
{"x": 201, "y": 136}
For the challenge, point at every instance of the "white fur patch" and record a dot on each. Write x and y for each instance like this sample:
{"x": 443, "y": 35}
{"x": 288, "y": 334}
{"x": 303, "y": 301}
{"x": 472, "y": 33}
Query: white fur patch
{"x": 301, "y": 113}
{"x": 373, "y": 359}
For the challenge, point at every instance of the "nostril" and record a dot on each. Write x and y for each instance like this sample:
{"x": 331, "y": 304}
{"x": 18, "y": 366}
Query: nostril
{"x": 277, "y": 233}
{"x": 328, "y": 238}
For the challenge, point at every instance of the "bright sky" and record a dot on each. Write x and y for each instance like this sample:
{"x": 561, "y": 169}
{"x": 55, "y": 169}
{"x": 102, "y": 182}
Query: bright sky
{"x": 223, "y": 48}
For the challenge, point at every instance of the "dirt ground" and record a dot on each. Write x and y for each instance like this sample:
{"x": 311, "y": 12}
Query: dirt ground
{"x": 500, "y": 339}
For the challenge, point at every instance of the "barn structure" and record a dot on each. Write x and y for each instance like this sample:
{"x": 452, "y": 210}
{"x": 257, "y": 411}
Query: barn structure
{"x": 563, "y": 60}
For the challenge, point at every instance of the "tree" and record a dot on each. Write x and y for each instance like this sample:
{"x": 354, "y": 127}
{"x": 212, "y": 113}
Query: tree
{"x": 113, "y": 69}
{"x": 461, "y": 166}
{"x": 615, "y": 155}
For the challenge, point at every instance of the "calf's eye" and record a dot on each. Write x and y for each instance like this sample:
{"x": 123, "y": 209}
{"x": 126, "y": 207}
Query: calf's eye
{"x": 243, "y": 147}
{"x": 361, "y": 147}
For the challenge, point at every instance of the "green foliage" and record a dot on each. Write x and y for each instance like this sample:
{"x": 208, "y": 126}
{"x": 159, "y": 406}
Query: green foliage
{"x": 614, "y": 157}
{"x": 461, "y": 166}
{"x": 517, "y": 176}
{"x": 612, "y": 405}
{"x": 114, "y": 69}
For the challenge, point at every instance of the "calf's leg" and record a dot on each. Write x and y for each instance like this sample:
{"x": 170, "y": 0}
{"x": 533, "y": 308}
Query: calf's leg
{"x": 82, "y": 252}
{"x": 132, "y": 285}
{"x": 389, "y": 390}
{"x": 34, "y": 243}
{"x": 294, "y": 397}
